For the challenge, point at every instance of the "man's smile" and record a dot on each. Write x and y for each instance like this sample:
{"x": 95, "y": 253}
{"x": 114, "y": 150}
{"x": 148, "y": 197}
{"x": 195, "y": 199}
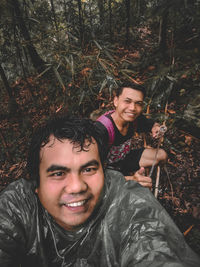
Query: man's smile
{"x": 76, "y": 204}
{"x": 131, "y": 114}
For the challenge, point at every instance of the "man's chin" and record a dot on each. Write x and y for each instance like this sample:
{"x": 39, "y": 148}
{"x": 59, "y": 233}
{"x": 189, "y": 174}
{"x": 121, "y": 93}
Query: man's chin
{"x": 74, "y": 224}
{"x": 130, "y": 118}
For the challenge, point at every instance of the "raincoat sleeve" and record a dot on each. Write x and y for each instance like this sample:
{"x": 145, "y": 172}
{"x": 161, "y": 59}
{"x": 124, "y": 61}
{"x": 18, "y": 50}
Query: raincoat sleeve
{"x": 139, "y": 231}
{"x": 12, "y": 238}
{"x": 160, "y": 245}
{"x": 16, "y": 218}
{"x": 150, "y": 237}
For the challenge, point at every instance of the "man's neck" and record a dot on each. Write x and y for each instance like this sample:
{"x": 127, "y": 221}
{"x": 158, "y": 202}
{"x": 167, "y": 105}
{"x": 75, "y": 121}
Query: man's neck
{"x": 121, "y": 125}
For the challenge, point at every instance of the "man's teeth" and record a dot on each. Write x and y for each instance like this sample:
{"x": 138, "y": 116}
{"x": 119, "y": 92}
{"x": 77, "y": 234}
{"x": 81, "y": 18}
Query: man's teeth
{"x": 76, "y": 204}
{"x": 131, "y": 113}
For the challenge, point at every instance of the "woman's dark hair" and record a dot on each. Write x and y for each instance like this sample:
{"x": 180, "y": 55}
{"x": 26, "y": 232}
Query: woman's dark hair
{"x": 77, "y": 130}
{"x": 129, "y": 84}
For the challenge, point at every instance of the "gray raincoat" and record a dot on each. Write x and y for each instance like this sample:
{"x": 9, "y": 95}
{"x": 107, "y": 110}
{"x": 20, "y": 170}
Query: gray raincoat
{"x": 128, "y": 228}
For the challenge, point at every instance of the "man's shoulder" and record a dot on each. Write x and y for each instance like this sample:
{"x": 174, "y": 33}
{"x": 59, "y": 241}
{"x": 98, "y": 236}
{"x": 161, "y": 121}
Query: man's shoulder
{"x": 123, "y": 187}
{"x": 130, "y": 193}
{"x": 21, "y": 190}
{"x": 106, "y": 119}
{"x": 21, "y": 184}
{"x": 106, "y": 126}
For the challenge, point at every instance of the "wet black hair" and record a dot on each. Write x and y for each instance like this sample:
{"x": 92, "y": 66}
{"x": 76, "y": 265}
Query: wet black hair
{"x": 129, "y": 84}
{"x": 77, "y": 130}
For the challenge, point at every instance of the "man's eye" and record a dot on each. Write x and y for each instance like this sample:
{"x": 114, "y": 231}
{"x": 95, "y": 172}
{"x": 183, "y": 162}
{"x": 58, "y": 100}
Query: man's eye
{"x": 127, "y": 101}
{"x": 57, "y": 174}
{"x": 90, "y": 170}
{"x": 139, "y": 104}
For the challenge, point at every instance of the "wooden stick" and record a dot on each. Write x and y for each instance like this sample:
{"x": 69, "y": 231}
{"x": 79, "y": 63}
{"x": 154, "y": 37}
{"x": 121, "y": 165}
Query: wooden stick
{"x": 157, "y": 182}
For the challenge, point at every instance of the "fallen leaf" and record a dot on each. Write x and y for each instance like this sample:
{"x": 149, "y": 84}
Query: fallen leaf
{"x": 151, "y": 68}
{"x": 188, "y": 140}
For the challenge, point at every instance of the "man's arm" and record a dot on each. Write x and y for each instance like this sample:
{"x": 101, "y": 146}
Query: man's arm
{"x": 14, "y": 219}
{"x": 11, "y": 238}
{"x": 152, "y": 239}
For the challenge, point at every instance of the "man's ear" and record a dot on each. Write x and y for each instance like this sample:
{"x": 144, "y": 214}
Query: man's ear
{"x": 36, "y": 190}
{"x": 115, "y": 101}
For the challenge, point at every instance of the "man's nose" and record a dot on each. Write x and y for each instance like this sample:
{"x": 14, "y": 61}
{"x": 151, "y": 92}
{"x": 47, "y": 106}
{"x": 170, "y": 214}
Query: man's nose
{"x": 132, "y": 106}
{"x": 75, "y": 184}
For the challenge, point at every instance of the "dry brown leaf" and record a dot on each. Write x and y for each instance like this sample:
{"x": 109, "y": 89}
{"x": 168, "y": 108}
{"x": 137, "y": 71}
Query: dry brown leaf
{"x": 188, "y": 140}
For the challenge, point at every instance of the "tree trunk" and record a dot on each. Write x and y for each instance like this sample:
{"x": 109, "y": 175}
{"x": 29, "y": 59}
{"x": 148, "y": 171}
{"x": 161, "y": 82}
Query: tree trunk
{"x": 100, "y": 4}
{"x": 5, "y": 82}
{"x": 163, "y": 34}
{"x": 138, "y": 8}
{"x": 19, "y": 54}
{"x": 13, "y": 106}
{"x": 36, "y": 60}
{"x": 54, "y": 14}
{"x": 127, "y": 2}
{"x": 110, "y": 18}
{"x": 81, "y": 25}
{"x": 66, "y": 13}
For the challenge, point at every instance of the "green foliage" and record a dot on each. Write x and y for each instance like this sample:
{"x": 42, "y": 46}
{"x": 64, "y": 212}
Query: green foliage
{"x": 84, "y": 54}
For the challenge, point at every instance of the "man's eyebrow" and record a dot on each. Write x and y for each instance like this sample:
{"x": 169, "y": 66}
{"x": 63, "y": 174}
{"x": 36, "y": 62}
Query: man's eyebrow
{"x": 90, "y": 163}
{"x": 57, "y": 168}
{"x": 137, "y": 101}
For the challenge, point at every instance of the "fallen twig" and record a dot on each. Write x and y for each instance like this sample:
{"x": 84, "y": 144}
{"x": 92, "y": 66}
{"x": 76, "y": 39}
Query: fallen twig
{"x": 188, "y": 230}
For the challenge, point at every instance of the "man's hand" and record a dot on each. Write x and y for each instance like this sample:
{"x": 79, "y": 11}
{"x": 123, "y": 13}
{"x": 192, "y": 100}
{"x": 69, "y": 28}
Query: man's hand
{"x": 140, "y": 177}
{"x": 155, "y": 130}
{"x": 158, "y": 130}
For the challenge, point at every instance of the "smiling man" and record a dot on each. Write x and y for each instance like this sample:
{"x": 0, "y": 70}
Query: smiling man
{"x": 72, "y": 212}
{"x": 122, "y": 123}
{"x": 71, "y": 181}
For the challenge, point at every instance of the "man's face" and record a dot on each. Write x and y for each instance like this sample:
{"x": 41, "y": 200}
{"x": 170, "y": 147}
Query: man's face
{"x": 71, "y": 182}
{"x": 129, "y": 104}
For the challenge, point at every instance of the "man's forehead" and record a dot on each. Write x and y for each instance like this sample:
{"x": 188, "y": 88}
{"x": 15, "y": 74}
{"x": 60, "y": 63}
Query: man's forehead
{"x": 54, "y": 141}
{"x": 64, "y": 152}
{"x": 129, "y": 91}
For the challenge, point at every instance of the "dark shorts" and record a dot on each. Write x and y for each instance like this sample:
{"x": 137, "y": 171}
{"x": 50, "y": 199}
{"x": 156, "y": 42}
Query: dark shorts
{"x": 130, "y": 163}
